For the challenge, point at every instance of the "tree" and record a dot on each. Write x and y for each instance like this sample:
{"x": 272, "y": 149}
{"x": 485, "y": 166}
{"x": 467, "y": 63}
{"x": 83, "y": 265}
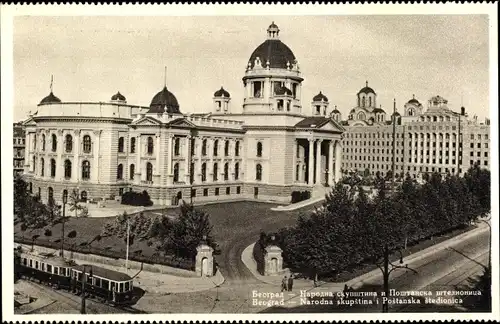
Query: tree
{"x": 192, "y": 228}
{"x": 74, "y": 200}
{"x": 21, "y": 198}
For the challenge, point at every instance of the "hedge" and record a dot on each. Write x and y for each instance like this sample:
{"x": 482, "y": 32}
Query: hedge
{"x": 298, "y": 196}
{"x": 136, "y": 199}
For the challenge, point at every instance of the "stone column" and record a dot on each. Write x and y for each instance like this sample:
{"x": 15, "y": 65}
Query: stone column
{"x": 187, "y": 153}
{"x": 232, "y": 149}
{"x": 138, "y": 151}
{"x": 294, "y": 161}
{"x": 96, "y": 151}
{"x": 198, "y": 161}
{"x": 338, "y": 160}
{"x": 59, "y": 161}
{"x": 170, "y": 175}
{"x": 318, "y": 161}
{"x": 76, "y": 161}
{"x": 310, "y": 163}
{"x": 210, "y": 166}
{"x": 27, "y": 154}
{"x": 331, "y": 172}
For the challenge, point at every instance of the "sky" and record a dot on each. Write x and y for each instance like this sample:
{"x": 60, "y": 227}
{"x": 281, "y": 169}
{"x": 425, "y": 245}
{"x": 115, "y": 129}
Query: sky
{"x": 93, "y": 57}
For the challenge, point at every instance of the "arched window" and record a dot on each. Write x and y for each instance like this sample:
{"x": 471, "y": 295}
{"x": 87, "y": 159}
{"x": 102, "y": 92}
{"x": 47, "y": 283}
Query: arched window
{"x": 177, "y": 146}
{"x": 363, "y": 101}
{"x": 226, "y": 171}
{"x": 259, "y": 149}
{"x": 119, "y": 172}
{"x": 83, "y": 196}
{"x": 226, "y": 148}
{"x": 87, "y": 144}
{"x": 43, "y": 142}
{"x": 176, "y": 172}
{"x": 216, "y": 171}
{"x": 69, "y": 143}
{"x": 85, "y": 170}
{"x": 54, "y": 142}
{"x": 204, "y": 147}
{"x": 149, "y": 172}
{"x": 50, "y": 193}
{"x": 236, "y": 171}
{"x": 361, "y": 116}
{"x": 204, "y": 172}
{"x": 52, "y": 168}
{"x": 67, "y": 169}
{"x": 121, "y": 144}
{"x": 237, "y": 148}
{"x": 216, "y": 147}
{"x": 150, "y": 145}
{"x": 369, "y": 101}
{"x": 132, "y": 145}
{"x": 42, "y": 167}
{"x": 65, "y": 195}
{"x": 132, "y": 171}
{"x": 258, "y": 172}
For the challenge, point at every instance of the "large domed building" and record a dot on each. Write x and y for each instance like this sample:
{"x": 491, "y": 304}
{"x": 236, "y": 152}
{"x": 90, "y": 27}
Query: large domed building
{"x": 264, "y": 149}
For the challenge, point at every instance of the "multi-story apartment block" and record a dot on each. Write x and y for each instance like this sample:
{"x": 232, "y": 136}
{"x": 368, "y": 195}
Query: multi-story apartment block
{"x": 19, "y": 145}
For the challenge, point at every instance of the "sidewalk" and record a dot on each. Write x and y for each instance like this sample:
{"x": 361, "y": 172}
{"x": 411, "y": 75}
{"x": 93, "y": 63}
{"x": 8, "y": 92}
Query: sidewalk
{"x": 162, "y": 283}
{"x": 307, "y": 285}
{"x": 298, "y": 205}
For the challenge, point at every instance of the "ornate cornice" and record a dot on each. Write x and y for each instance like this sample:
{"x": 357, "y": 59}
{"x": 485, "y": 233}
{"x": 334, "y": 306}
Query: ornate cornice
{"x": 83, "y": 119}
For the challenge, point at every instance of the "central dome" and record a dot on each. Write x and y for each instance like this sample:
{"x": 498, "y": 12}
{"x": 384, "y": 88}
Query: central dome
{"x": 273, "y": 50}
{"x": 164, "y": 101}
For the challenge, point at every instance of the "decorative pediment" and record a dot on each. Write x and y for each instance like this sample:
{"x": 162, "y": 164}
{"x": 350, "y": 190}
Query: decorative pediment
{"x": 333, "y": 126}
{"x": 28, "y": 122}
{"x": 146, "y": 121}
{"x": 182, "y": 122}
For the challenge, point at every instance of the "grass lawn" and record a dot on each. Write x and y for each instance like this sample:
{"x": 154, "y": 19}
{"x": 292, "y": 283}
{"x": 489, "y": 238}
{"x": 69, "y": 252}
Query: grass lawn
{"x": 230, "y": 221}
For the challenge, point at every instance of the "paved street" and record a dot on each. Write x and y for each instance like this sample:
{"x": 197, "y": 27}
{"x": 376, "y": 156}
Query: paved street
{"x": 446, "y": 270}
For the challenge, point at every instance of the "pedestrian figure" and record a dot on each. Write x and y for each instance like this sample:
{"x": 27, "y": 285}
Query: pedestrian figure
{"x": 284, "y": 284}
{"x": 290, "y": 282}
{"x": 316, "y": 280}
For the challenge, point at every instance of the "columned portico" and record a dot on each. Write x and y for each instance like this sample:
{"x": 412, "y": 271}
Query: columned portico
{"x": 338, "y": 162}
{"x": 310, "y": 177}
{"x": 317, "y": 180}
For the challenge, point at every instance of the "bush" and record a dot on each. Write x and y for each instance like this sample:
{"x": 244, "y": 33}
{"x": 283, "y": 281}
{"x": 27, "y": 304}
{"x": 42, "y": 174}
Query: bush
{"x": 298, "y": 196}
{"x": 136, "y": 199}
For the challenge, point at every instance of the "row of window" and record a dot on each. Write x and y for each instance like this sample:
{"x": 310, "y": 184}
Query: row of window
{"x": 67, "y": 168}
{"x": 68, "y": 143}
{"x": 19, "y": 141}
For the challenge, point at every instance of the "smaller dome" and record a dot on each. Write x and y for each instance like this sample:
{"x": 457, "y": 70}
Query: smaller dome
{"x": 414, "y": 101}
{"x": 366, "y": 89}
{"x": 379, "y": 110}
{"x": 273, "y": 25}
{"x": 336, "y": 111}
{"x": 222, "y": 93}
{"x": 50, "y": 99}
{"x": 118, "y": 97}
{"x": 320, "y": 97}
{"x": 283, "y": 91}
{"x": 396, "y": 114}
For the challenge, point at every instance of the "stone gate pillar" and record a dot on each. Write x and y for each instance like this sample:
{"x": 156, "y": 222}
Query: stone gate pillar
{"x": 273, "y": 261}
{"x": 204, "y": 265}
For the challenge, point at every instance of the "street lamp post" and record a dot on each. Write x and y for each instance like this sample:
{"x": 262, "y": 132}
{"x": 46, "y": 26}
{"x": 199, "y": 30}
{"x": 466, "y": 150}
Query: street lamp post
{"x": 128, "y": 244}
{"x": 84, "y": 279}
{"x": 489, "y": 240}
{"x": 65, "y": 201}
{"x": 387, "y": 267}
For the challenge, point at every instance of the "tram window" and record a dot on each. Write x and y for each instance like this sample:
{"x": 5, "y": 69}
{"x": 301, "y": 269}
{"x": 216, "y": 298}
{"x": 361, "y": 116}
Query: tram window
{"x": 97, "y": 282}
{"x": 112, "y": 286}
{"x": 42, "y": 266}
{"x": 49, "y": 268}
{"x": 79, "y": 276}
{"x": 25, "y": 261}
{"x": 127, "y": 286}
{"x": 121, "y": 287}
{"x": 31, "y": 263}
{"x": 36, "y": 264}
{"x": 89, "y": 279}
{"x": 105, "y": 284}
{"x": 56, "y": 270}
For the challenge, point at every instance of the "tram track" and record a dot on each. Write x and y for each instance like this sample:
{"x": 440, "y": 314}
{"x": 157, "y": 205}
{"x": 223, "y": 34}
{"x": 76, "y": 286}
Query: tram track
{"x": 92, "y": 306}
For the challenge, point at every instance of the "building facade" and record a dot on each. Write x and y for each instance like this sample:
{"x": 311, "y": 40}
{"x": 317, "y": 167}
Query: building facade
{"x": 19, "y": 146}
{"x": 264, "y": 150}
{"x": 435, "y": 139}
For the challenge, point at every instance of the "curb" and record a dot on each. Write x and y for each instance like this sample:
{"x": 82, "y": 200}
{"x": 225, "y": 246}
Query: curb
{"x": 298, "y": 205}
{"x": 358, "y": 281}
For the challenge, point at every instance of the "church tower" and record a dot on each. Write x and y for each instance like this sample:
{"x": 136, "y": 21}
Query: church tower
{"x": 221, "y": 101}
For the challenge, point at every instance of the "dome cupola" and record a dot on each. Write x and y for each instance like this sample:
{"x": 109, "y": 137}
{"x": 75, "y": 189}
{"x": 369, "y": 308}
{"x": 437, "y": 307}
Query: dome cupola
{"x": 118, "y": 97}
{"x": 367, "y": 98}
{"x": 222, "y": 93}
{"x": 51, "y": 98}
{"x": 164, "y": 102}
{"x": 320, "y": 97}
{"x": 366, "y": 89}
{"x": 414, "y": 101}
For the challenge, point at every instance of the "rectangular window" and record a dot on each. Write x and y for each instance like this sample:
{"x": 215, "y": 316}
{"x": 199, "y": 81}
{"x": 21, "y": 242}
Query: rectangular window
{"x": 49, "y": 268}
{"x": 193, "y": 192}
{"x": 228, "y": 190}
{"x": 471, "y": 145}
{"x": 485, "y": 162}
{"x": 105, "y": 284}
{"x": 238, "y": 190}
{"x": 205, "y": 192}
{"x": 216, "y": 191}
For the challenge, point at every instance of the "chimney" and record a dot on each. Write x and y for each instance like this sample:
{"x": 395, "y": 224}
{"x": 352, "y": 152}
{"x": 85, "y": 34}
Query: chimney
{"x": 462, "y": 111}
